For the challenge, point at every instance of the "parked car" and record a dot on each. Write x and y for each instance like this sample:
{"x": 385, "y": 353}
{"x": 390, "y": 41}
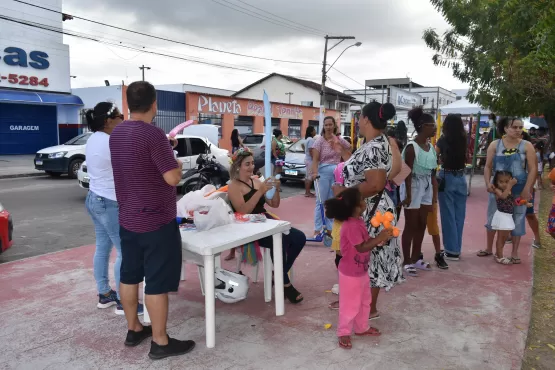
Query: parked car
{"x": 256, "y": 143}
{"x": 188, "y": 148}
{"x": 294, "y": 168}
{"x": 63, "y": 159}
{"x": 6, "y": 229}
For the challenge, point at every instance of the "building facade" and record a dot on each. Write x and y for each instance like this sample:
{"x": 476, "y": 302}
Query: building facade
{"x": 404, "y": 94}
{"x": 37, "y": 108}
{"x": 291, "y": 90}
{"x": 247, "y": 115}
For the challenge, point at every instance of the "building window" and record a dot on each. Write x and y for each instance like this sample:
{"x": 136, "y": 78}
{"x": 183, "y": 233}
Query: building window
{"x": 211, "y": 119}
{"x": 294, "y": 130}
{"x": 307, "y": 103}
{"x": 424, "y": 101}
{"x": 244, "y": 124}
{"x": 314, "y": 124}
{"x": 276, "y": 123}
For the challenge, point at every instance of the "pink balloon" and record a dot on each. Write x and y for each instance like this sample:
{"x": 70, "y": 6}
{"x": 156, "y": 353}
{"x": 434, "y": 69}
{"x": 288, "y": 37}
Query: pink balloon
{"x": 180, "y": 127}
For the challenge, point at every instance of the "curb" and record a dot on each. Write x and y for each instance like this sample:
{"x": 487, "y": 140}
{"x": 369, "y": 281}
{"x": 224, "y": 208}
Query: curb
{"x": 18, "y": 175}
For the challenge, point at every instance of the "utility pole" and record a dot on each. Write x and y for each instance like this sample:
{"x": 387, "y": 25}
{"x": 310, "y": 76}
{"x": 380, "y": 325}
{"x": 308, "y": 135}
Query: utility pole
{"x": 325, "y": 71}
{"x": 289, "y": 93}
{"x": 143, "y": 69}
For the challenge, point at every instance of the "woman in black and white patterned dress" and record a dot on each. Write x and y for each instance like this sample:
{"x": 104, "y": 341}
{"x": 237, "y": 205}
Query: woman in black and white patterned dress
{"x": 368, "y": 169}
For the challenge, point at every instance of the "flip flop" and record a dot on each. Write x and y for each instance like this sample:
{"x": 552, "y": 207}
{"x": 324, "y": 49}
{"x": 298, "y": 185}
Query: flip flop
{"x": 422, "y": 265}
{"x": 504, "y": 260}
{"x": 310, "y": 196}
{"x": 411, "y": 270}
{"x": 371, "y": 332}
{"x": 345, "y": 342}
{"x": 516, "y": 260}
{"x": 484, "y": 253}
{"x": 377, "y": 316}
{"x": 334, "y": 305}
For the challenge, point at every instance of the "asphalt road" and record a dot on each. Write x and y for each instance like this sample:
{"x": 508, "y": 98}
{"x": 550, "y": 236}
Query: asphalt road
{"x": 49, "y": 214}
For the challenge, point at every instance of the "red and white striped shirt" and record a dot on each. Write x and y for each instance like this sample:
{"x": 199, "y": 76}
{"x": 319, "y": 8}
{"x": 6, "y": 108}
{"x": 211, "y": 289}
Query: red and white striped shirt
{"x": 141, "y": 154}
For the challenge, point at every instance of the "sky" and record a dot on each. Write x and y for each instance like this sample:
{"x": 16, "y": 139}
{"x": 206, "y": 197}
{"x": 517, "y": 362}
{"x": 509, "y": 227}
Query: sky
{"x": 390, "y": 32}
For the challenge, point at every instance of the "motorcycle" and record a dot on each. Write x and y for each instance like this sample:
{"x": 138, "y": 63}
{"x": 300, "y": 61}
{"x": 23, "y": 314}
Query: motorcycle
{"x": 208, "y": 171}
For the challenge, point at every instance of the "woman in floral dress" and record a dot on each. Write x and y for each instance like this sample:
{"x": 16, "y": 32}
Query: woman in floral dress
{"x": 368, "y": 169}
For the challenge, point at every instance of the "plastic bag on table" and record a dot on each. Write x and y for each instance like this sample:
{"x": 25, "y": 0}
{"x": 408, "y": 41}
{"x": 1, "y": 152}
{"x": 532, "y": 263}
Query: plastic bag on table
{"x": 215, "y": 213}
{"x": 193, "y": 200}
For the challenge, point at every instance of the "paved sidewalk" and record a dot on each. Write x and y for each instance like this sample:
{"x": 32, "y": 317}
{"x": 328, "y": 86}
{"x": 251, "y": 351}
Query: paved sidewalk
{"x": 18, "y": 166}
{"x": 473, "y": 316}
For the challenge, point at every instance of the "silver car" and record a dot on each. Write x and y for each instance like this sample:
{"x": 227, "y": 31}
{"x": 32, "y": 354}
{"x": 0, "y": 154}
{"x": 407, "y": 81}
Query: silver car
{"x": 294, "y": 168}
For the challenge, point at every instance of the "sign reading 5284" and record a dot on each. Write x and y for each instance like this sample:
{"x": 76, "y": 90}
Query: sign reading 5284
{"x": 24, "y": 80}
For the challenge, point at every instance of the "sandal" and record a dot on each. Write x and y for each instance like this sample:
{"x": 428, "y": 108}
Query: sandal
{"x": 310, "y": 195}
{"x": 516, "y": 260}
{"x": 292, "y": 294}
{"x": 484, "y": 253}
{"x": 371, "y": 332}
{"x": 345, "y": 342}
{"x": 334, "y": 305}
{"x": 504, "y": 260}
{"x": 411, "y": 270}
{"x": 374, "y": 317}
{"x": 423, "y": 265}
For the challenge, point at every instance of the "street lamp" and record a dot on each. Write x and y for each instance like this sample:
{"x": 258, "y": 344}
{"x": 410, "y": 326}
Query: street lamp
{"x": 325, "y": 71}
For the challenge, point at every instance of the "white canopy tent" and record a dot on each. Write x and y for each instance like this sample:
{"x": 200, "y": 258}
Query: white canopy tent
{"x": 463, "y": 107}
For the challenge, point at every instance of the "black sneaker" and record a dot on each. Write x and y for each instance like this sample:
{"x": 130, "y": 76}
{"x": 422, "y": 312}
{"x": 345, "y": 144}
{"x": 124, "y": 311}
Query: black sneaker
{"x": 452, "y": 257}
{"x": 134, "y": 338}
{"x": 173, "y": 348}
{"x": 440, "y": 261}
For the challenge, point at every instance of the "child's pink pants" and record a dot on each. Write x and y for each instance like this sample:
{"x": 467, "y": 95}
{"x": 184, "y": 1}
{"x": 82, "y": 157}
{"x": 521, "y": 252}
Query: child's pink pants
{"x": 354, "y": 304}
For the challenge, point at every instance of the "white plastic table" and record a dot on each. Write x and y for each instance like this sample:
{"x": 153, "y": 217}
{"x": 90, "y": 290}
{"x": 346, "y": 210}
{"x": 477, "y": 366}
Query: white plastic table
{"x": 213, "y": 242}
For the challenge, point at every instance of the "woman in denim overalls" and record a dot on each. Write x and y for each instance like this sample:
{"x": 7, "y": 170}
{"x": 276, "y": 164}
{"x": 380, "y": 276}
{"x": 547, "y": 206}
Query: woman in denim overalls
{"x": 517, "y": 156}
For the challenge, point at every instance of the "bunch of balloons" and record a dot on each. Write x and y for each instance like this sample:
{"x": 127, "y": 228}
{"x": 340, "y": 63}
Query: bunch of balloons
{"x": 385, "y": 219}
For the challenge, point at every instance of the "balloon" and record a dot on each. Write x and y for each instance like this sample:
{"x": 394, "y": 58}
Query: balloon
{"x": 180, "y": 127}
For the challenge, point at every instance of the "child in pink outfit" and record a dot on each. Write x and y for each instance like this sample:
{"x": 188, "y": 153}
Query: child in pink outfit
{"x": 354, "y": 282}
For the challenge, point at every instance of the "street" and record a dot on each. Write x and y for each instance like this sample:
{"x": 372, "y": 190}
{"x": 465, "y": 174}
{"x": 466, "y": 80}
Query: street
{"x": 49, "y": 214}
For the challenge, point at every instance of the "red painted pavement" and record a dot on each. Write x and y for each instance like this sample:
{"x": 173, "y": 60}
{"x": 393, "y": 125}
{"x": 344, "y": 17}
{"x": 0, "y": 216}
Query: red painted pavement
{"x": 473, "y": 316}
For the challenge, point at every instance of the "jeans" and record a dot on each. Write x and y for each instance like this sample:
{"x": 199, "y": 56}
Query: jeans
{"x": 452, "y": 206}
{"x": 292, "y": 245}
{"x": 325, "y": 183}
{"x": 105, "y": 213}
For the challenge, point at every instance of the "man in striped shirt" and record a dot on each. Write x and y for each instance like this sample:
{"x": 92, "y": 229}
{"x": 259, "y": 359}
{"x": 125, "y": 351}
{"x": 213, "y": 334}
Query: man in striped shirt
{"x": 145, "y": 176}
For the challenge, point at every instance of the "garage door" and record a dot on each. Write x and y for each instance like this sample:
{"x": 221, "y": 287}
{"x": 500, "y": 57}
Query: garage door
{"x": 27, "y": 128}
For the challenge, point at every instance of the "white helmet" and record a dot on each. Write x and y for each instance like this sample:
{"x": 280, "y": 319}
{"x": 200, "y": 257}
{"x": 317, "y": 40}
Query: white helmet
{"x": 231, "y": 287}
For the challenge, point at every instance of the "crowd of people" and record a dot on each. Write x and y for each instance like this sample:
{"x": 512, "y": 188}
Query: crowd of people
{"x": 132, "y": 204}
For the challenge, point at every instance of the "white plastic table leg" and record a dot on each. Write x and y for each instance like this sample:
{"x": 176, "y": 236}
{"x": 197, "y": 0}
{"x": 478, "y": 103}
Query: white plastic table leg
{"x": 209, "y": 301}
{"x": 278, "y": 276}
{"x": 267, "y": 275}
{"x": 146, "y": 316}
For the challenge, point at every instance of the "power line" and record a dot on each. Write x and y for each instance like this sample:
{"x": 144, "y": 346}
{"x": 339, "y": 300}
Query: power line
{"x": 277, "y": 16}
{"x": 350, "y": 78}
{"x": 120, "y": 45}
{"x": 257, "y": 15}
{"x": 166, "y": 39}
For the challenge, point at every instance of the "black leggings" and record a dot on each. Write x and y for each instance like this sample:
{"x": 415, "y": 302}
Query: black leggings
{"x": 292, "y": 245}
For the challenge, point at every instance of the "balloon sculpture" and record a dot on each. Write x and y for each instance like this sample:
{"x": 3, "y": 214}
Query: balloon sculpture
{"x": 385, "y": 219}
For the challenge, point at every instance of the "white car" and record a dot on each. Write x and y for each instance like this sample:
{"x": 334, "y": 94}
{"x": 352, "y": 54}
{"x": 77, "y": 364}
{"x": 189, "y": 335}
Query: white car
{"x": 63, "y": 159}
{"x": 188, "y": 148}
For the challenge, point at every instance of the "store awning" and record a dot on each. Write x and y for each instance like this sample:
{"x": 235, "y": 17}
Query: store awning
{"x": 31, "y": 97}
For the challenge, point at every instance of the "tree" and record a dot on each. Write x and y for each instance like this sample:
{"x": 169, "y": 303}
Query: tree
{"x": 505, "y": 51}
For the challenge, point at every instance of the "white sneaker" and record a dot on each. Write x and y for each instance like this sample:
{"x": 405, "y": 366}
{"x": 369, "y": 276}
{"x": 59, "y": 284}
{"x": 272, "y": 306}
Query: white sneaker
{"x": 335, "y": 289}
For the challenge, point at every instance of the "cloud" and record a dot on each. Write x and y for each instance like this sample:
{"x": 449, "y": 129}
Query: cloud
{"x": 390, "y": 32}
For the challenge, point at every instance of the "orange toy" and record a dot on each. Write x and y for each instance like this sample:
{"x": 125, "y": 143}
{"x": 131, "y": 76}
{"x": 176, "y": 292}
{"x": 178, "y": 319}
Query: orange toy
{"x": 385, "y": 219}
